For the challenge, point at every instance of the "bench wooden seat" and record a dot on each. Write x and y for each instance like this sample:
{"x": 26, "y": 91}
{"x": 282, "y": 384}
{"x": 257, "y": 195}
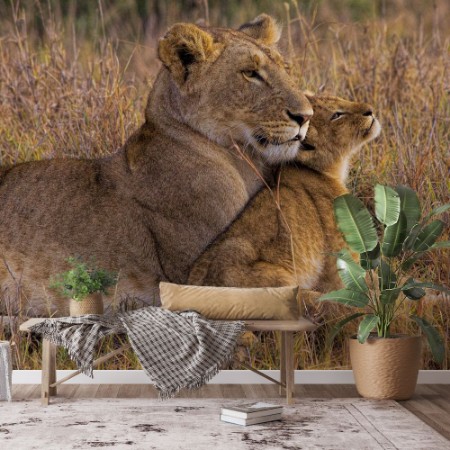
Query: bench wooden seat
{"x": 287, "y": 328}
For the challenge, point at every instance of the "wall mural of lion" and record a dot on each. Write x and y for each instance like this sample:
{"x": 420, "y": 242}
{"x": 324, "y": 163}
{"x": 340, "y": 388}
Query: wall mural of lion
{"x": 293, "y": 244}
{"x": 149, "y": 210}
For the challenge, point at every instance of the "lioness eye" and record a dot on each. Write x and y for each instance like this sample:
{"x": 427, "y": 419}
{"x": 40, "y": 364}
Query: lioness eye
{"x": 336, "y": 115}
{"x": 252, "y": 74}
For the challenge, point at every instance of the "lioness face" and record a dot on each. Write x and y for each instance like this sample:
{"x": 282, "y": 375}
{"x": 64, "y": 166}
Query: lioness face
{"x": 233, "y": 87}
{"x": 260, "y": 107}
{"x": 338, "y": 128}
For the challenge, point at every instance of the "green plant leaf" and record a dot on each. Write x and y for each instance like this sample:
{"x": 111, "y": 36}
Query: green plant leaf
{"x": 387, "y": 204}
{"x": 412, "y": 236}
{"x": 351, "y": 273}
{"x": 438, "y": 210}
{"x": 370, "y": 260}
{"x": 336, "y": 328}
{"x": 387, "y": 278}
{"x": 346, "y": 297}
{"x": 407, "y": 264}
{"x": 410, "y": 205}
{"x": 441, "y": 244}
{"x": 394, "y": 236}
{"x": 417, "y": 284}
{"x": 355, "y": 223}
{"x": 434, "y": 338}
{"x": 81, "y": 280}
{"x": 389, "y": 296}
{"x": 428, "y": 236}
{"x": 366, "y": 326}
{"x": 413, "y": 292}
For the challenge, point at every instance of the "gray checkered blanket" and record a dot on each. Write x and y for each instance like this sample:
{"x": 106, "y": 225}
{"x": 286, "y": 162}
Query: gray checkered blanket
{"x": 176, "y": 350}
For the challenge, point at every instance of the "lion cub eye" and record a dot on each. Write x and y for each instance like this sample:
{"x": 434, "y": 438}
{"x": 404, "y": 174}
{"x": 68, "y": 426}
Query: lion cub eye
{"x": 336, "y": 115}
{"x": 252, "y": 74}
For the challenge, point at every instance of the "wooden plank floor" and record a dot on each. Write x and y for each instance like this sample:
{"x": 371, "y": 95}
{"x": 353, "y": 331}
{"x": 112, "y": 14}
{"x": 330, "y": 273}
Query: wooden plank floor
{"x": 431, "y": 402}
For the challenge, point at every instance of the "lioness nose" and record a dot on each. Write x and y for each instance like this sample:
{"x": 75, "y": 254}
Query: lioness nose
{"x": 299, "y": 118}
{"x": 368, "y": 113}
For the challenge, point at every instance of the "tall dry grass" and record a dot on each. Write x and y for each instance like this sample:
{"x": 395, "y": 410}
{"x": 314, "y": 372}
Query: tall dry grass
{"x": 74, "y": 85}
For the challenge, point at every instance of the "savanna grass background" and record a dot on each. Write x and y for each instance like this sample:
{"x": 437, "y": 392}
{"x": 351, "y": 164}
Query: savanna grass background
{"x": 74, "y": 78}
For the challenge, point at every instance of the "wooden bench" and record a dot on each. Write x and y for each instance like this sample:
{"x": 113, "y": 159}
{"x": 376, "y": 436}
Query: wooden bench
{"x": 287, "y": 328}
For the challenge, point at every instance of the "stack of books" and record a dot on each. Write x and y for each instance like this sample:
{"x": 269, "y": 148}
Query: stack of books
{"x": 251, "y": 413}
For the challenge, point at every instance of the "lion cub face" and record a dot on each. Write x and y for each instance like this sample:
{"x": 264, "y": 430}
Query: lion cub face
{"x": 232, "y": 86}
{"x": 337, "y": 130}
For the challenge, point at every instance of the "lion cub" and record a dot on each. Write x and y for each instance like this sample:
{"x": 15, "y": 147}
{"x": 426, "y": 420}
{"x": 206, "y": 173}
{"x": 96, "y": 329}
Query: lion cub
{"x": 290, "y": 245}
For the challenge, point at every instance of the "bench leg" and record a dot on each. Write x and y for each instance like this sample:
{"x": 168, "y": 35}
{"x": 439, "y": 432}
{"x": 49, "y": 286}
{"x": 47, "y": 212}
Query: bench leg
{"x": 287, "y": 364}
{"x": 282, "y": 390}
{"x": 48, "y": 371}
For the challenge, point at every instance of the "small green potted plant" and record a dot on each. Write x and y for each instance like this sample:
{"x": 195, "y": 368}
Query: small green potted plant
{"x": 380, "y": 285}
{"x": 84, "y": 286}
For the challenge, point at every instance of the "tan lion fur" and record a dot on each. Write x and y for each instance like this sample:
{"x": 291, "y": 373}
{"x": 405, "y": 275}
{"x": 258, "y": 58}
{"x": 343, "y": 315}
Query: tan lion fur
{"x": 149, "y": 210}
{"x": 257, "y": 250}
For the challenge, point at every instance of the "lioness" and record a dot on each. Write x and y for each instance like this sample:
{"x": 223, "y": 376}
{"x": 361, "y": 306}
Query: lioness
{"x": 257, "y": 250}
{"x": 149, "y": 210}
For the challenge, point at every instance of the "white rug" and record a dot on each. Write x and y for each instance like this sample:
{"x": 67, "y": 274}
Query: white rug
{"x": 193, "y": 424}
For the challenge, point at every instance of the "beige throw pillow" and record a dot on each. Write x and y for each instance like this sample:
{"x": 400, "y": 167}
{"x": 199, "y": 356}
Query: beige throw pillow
{"x": 228, "y": 303}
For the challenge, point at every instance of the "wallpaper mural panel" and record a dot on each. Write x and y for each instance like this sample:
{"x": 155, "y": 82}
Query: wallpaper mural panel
{"x": 225, "y": 174}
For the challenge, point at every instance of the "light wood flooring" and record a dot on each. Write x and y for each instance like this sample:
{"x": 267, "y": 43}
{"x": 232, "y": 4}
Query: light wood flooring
{"x": 431, "y": 402}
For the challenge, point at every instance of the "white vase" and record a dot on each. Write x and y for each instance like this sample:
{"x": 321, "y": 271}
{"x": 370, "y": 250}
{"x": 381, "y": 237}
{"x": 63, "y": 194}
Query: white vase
{"x": 5, "y": 371}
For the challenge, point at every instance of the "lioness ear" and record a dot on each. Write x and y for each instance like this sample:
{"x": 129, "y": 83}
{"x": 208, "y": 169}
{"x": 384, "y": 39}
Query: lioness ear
{"x": 263, "y": 28}
{"x": 182, "y": 46}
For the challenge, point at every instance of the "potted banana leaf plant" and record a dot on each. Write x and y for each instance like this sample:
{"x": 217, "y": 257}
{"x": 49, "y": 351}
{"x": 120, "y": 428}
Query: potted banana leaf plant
{"x": 379, "y": 285}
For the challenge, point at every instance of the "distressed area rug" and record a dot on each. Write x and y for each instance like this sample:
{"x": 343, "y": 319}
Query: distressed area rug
{"x": 194, "y": 424}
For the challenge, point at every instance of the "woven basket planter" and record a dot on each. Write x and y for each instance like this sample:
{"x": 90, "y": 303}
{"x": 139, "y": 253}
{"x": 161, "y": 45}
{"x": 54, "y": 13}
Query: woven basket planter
{"x": 92, "y": 304}
{"x": 386, "y": 368}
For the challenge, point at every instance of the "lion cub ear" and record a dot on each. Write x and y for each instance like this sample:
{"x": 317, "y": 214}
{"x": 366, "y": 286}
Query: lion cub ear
{"x": 263, "y": 28}
{"x": 182, "y": 46}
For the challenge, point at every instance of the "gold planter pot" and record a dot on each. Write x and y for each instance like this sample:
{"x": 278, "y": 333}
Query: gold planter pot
{"x": 386, "y": 368}
{"x": 92, "y": 304}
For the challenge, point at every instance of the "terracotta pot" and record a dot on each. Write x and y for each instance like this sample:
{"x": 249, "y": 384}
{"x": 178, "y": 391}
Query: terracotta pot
{"x": 386, "y": 368}
{"x": 92, "y": 304}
